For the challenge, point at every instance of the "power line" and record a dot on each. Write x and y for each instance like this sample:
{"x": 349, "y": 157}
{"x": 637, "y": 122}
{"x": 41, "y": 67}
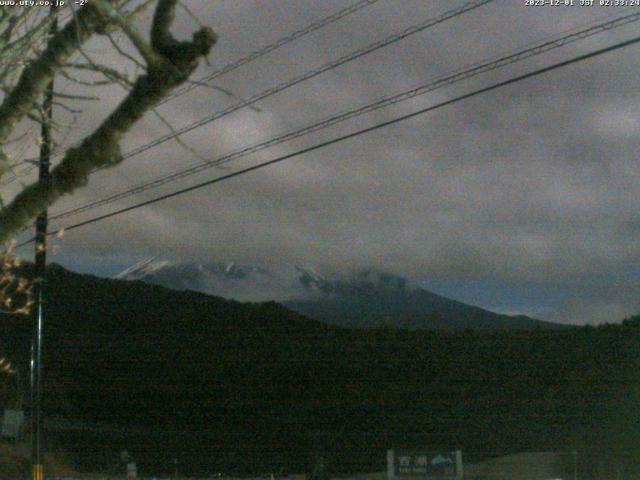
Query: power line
{"x": 256, "y": 54}
{"x": 357, "y": 133}
{"x": 296, "y": 80}
{"x": 475, "y": 70}
{"x": 271, "y": 47}
{"x": 361, "y": 52}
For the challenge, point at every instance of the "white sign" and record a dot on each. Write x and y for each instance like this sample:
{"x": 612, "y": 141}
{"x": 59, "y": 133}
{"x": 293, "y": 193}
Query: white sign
{"x": 132, "y": 470}
{"x": 12, "y": 422}
{"x": 424, "y": 464}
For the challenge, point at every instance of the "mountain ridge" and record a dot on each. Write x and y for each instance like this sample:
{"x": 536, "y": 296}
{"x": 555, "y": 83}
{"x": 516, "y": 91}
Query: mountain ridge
{"x": 248, "y": 388}
{"x": 366, "y": 299}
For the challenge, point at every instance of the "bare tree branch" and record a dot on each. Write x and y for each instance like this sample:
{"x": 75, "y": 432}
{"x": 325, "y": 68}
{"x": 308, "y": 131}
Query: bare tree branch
{"x": 170, "y": 65}
{"x": 36, "y": 76}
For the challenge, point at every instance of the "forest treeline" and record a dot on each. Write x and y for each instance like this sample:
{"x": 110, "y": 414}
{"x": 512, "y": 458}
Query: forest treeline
{"x": 240, "y": 388}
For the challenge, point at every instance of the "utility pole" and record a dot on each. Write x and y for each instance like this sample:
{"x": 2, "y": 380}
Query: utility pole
{"x": 37, "y": 454}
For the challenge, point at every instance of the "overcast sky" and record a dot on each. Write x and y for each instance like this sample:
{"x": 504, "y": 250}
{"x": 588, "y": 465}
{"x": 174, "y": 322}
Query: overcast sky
{"x": 522, "y": 200}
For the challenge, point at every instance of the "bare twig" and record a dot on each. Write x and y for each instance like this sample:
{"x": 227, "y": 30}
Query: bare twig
{"x": 169, "y": 64}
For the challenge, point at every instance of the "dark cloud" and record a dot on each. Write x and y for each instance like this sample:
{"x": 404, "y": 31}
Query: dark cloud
{"x": 536, "y": 182}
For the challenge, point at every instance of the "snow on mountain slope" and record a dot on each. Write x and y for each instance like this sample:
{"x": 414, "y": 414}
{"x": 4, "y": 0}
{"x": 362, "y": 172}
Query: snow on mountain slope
{"x": 367, "y": 299}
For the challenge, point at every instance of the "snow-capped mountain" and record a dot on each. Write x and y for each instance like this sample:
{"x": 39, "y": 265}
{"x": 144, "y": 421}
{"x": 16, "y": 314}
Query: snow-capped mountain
{"x": 367, "y": 299}
{"x": 229, "y": 280}
{"x": 142, "y": 269}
